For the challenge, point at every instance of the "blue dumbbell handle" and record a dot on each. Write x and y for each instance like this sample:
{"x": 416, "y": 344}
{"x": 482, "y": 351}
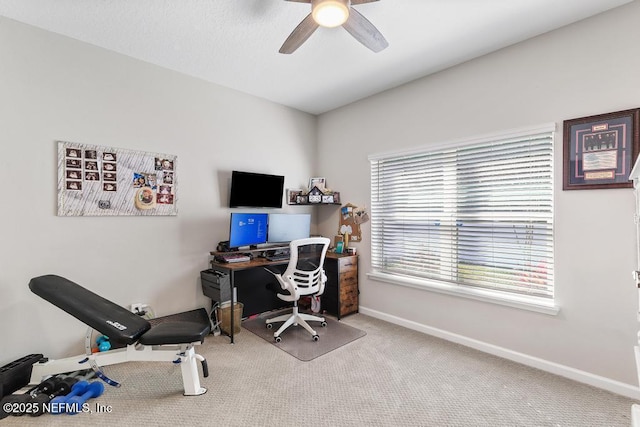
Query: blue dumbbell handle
{"x": 95, "y": 389}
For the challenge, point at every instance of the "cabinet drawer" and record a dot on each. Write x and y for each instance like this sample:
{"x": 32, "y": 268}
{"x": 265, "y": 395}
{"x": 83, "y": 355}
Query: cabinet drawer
{"x": 347, "y": 264}
{"x": 348, "y": 293}
{"x": 348, "y": 302}
{"x": 349, "y": 280}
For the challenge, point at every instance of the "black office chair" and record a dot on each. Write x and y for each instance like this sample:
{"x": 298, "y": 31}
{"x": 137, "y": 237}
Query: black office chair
{"x": 304, "y": 276}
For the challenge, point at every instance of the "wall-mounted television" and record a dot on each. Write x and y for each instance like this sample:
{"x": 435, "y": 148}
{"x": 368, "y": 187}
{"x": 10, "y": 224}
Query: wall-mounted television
{"x": 255, "y": 190}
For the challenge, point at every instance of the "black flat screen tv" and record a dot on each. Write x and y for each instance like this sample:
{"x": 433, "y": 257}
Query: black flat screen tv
{"x": 255, "y": 190}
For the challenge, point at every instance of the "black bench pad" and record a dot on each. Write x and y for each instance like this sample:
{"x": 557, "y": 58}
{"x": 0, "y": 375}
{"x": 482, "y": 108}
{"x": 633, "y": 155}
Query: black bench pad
{"x": 110, "y": 319}
{"x": 176, "y": 333}
{"x": 116, "y": 322}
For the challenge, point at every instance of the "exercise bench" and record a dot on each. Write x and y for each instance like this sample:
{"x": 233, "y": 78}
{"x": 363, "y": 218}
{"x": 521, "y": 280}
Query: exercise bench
{"x": 168, "y": 341}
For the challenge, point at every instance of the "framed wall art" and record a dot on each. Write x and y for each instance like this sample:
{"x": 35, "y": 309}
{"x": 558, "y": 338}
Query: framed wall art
{"x": 106, "y": 181}
{"x": 599, "y": 151}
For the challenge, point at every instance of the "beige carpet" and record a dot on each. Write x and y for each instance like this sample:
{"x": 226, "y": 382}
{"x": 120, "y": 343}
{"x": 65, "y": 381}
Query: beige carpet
{"x": 298, "y": 342}
{"x": 390, "y": 377}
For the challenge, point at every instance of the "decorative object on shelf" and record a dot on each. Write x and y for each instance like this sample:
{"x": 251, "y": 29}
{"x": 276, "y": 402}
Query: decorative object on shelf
{"x": 599, "y": 151}
{"x": 317, "y": 182}
{"x": 292, "y": 196}
{"x": 327, "y": 198}
{"x": 317, "y": 193}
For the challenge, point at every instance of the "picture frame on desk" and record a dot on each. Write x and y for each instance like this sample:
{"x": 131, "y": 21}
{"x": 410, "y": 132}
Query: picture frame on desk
{"x": 600, "y": 150}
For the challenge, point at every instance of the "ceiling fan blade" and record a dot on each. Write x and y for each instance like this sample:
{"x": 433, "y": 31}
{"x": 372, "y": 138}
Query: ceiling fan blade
{"x": 364, "y": 31}
{"x": 299, "y": 35}
{"x": 353, "y": 1}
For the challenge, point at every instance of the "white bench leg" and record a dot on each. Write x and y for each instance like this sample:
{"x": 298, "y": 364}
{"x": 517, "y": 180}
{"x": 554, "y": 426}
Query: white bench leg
{"x": 190, "y": 377}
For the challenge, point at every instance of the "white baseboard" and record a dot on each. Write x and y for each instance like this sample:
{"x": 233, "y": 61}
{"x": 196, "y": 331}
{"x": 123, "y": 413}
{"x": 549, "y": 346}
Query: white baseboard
{"x": 613, "y": 386}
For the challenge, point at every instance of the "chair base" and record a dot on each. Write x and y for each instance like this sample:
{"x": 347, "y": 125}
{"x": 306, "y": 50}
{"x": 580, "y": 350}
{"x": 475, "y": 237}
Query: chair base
{"x": 295, "y": 318}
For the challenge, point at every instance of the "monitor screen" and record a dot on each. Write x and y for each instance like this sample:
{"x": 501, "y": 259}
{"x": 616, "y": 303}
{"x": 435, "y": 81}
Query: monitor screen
{"x": 288, "y": 227}
{"x": 247, "y": 229}
{"x": 255, "y": 190}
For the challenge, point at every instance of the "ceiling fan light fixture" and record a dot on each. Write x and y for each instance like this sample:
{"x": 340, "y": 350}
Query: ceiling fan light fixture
{"x": 330, "y": 13}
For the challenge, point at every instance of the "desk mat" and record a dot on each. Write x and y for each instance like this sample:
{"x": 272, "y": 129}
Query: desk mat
{"x": 298, "y": 342}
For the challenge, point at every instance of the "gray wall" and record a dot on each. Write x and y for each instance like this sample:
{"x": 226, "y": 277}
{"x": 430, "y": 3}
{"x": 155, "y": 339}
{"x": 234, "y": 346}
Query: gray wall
{"x": 587, "y": 68}
{"x": 55, "y": 88}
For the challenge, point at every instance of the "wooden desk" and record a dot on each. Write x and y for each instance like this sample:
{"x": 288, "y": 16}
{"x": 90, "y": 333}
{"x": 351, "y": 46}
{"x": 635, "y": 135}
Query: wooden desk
{"x": 250, "y": 279}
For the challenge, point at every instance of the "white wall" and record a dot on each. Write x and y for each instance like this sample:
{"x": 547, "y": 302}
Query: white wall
{"x": 588, "y": 68}
{"x": 55, "y": 88}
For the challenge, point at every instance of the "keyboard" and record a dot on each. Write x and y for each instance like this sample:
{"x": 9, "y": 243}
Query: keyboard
{"x": 278, "y": 257}
{"x": 232, "y": 257}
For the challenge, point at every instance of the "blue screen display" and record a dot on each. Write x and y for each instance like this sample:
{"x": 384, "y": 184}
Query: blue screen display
{"x": 248, "y": 229}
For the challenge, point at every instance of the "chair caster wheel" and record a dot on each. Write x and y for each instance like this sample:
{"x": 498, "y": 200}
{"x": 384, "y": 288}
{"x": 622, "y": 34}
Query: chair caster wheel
{"x": 323, "y": 324}
{"x": 316, "y": 337}
{"x": 269, "y": 326}
{"x": 278, "y": 339}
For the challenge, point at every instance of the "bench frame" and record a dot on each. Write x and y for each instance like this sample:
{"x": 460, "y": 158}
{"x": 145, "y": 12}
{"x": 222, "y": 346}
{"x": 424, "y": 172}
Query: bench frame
{"x": 184, "y": 354}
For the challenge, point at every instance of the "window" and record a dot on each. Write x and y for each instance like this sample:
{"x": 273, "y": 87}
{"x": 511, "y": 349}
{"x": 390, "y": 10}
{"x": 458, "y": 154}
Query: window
{"x": 474, "y": 216}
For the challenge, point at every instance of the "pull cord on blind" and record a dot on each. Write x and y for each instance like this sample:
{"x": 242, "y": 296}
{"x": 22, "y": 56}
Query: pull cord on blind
{"x": 478, "y": 215}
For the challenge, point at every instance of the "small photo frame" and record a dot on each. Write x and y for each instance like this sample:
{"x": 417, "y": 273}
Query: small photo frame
{"x": 292, "y": 196}
{"x": 327, "y": 198}
{"x": 599, "y": 151}
{"x": 317, "y": 182}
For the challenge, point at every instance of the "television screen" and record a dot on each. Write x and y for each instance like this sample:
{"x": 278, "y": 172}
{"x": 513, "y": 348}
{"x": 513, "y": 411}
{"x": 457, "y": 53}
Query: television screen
{"x": 255, "y": 190}
{"x": 247, "y": 229}
{"x": 288, "y": 227}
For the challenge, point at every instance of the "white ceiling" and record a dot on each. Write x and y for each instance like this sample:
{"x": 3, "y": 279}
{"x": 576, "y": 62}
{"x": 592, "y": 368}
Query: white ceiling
{"x": 235, "y": 43}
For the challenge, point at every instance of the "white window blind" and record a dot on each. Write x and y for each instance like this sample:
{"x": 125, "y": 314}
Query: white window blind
{"x": 475, "y": 215}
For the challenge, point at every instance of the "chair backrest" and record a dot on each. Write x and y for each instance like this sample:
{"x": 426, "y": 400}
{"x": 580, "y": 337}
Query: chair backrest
{"x": 305, "y": 271}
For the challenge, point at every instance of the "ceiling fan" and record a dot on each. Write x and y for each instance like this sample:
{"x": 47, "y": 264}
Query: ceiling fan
{"x": 333, "y": 13}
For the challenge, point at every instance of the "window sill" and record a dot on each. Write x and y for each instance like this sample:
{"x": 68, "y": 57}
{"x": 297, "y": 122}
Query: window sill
{"x": 485, "y": 295}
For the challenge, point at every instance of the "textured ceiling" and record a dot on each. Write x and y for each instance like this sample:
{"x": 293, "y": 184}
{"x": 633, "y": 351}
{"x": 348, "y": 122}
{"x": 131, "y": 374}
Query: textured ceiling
{"x": 235, "y": 43}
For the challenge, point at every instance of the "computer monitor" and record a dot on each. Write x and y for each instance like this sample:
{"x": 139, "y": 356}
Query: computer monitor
{"x": 288, "y": 227}
{"x": 247, "y": 229}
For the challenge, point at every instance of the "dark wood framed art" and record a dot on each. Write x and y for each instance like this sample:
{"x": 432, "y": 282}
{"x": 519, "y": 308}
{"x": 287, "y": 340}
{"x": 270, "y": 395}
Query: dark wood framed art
{"x": 599, "y": 151}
